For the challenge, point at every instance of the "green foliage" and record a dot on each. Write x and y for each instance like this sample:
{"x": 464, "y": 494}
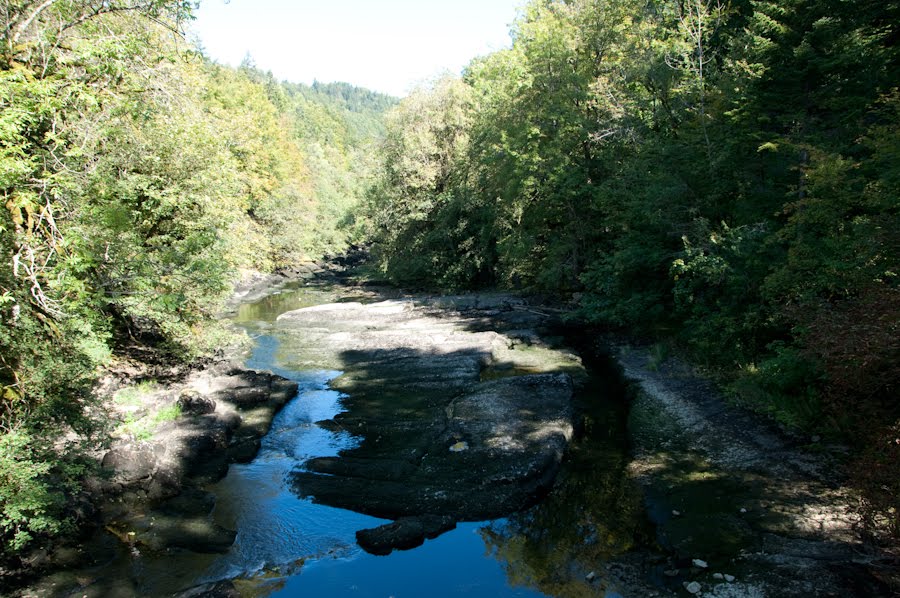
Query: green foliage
{"x": 141, "y": 428}
{"x": 132, "y": 395}
{"x": 137, "y": 181}
{"x": 721, "y": 174}
{"x": 784, "y": 386}
{"x": 32, "y": 491}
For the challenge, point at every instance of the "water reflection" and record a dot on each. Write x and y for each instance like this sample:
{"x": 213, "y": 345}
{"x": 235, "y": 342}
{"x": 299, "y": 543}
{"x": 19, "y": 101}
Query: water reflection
{"x": 292, "y": 296}
{"x": 562, "y": 546}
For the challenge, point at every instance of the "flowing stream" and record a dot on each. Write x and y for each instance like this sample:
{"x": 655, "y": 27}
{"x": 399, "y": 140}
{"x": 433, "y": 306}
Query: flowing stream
{"x": 289, "y": 546}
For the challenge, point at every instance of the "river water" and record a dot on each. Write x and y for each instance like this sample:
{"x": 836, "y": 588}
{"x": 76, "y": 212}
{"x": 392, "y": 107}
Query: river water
{"x": 289, "y": 546}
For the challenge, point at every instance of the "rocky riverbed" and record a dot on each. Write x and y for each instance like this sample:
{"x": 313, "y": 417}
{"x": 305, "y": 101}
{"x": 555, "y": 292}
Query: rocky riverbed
{"x": 465, "y": 408}
{"x": 454, "y": 423}
{"x": 760, "y": 509}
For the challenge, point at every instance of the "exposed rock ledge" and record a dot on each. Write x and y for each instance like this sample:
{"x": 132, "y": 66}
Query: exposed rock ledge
{"x": 731, "y": 491}
{"x": 225, "y": 411}
{"x": 454, "y": 423}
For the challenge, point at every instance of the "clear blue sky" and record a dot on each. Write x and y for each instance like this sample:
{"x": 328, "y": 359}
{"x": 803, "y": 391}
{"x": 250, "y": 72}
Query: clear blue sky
{"x": 384, "y": 45}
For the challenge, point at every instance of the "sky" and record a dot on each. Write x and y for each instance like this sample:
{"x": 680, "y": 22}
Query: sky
{"x": 384, "y": 45}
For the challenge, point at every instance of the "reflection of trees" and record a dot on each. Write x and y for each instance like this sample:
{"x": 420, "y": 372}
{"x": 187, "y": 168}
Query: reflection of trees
{"x": 593, "y": 514}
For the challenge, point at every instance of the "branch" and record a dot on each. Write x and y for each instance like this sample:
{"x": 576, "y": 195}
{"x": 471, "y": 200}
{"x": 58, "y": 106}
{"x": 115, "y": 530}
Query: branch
{"x": 20, "y": 29}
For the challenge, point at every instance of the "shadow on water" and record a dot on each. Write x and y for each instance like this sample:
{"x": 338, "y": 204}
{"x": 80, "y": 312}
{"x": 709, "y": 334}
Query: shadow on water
{"x": 289, "y": 545}
{"x": 594, "y": 514}
{"x": 396, "y": 408}
{"x": 594, "y": 533}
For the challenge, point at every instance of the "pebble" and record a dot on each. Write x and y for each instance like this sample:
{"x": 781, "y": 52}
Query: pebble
{"x": 591, "y": 576}
{"x": 459, "y": 447}
{"x": 700, "y": 564}
{"x": 676, "y": 513}
{"x": 743, "y": 510}
{"x": 718, "y": 576}
{"x": 729, "y": 578}
{"x": 693, "y": 587}
{"x": 671, "y": 572}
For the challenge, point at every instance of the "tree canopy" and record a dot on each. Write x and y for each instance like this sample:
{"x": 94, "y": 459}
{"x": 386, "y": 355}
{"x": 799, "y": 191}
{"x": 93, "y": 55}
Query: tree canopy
{"x": 720, "y": 174}
{"x": 137, "y": 181}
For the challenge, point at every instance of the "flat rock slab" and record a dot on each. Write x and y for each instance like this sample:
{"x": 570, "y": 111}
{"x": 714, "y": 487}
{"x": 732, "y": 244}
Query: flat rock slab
{"x": 438, "y": 440}
{"x": 403, "y": 534}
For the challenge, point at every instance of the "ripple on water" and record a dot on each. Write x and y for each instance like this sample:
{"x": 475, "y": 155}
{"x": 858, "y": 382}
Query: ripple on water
{"x": 275, "y": 527}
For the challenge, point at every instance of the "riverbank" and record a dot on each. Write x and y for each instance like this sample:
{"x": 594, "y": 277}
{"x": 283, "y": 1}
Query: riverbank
{"x": 736, "y": 507}
{"x": 173, "y": 438}
{"x": 763, "y": 511}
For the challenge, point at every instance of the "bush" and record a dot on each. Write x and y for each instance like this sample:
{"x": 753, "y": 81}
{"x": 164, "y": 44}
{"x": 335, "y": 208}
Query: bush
{"x": 784, "y": 386}
{"x": 31, "y": 500}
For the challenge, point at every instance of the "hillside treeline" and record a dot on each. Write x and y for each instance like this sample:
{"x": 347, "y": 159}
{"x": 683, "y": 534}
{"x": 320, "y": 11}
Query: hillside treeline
{"x": 138, "y": 180}
{"x": 719, "y": 174}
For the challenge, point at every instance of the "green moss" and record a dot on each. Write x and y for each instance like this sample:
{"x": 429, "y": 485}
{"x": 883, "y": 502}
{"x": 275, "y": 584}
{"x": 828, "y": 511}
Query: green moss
{"x": 142, "y": 428}
{"x": 134, "y": 395}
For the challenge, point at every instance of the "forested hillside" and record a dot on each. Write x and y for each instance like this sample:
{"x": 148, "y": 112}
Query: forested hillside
{"x": 138, "y": 181}
{"x": 722, "y": 175}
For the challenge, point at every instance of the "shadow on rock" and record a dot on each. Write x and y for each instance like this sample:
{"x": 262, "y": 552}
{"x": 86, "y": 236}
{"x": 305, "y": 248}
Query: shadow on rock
{"x": 437, "y": 443}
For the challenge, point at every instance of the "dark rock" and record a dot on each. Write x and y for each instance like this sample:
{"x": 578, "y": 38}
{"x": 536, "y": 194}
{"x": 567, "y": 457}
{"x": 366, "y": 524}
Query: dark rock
{"x": 243, "y": 450}
{"x": 192, "y": 402}
{"x": 191, "y": 502}
{"x": 403, "y": 534}
{"x": 434, "y": 438}
{"x": 244, "y": 396}
{"x": 130, "y": 463}
{"x": 165, "y": 483}
{"x": 196, "y": 534}
{"x": 218, "y": 589}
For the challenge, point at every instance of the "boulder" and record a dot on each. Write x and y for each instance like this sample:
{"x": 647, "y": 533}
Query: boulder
{"x": 192, "y": 402}
{"x": 437, "y": 438}
{"x": 403, "y": 534}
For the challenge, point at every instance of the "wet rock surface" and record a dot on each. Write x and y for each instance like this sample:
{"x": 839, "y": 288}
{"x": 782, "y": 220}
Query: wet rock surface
{"x": 149, "y": 492}
{"x": 404, "y": 533}
{"x": 454, "y": 420}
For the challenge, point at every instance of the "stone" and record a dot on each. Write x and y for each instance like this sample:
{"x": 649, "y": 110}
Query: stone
{"x": 590, "y": 576}
{"x": 729, "y": 578}
{"x": 435, "y": 434}
{"x": 192, "y": 402}
{"x": 218, "y": 589}
{"x": 403, "y": 534}
{"x": 700, "y": 564}
{"x": 693, "y": 587}
{"x": 130, "y": 463}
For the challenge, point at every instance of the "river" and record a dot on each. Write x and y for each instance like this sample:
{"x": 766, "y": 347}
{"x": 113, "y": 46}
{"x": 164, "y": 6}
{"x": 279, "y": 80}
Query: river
{"x": 643, "y": 505}
{"x": 290, "y": 546}
{"x": 568, "y": 544}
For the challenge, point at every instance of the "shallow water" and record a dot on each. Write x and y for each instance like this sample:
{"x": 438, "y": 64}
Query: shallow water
{"x": 290, "y": 546}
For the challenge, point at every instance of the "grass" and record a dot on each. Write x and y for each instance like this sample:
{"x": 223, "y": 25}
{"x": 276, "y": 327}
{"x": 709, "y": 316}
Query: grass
{"x": 142, "y": 428}
{"x": 134, "y": 395}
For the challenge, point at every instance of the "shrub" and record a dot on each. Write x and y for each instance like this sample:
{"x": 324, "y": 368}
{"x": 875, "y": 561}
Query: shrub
{"x": 31, "y": 504}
